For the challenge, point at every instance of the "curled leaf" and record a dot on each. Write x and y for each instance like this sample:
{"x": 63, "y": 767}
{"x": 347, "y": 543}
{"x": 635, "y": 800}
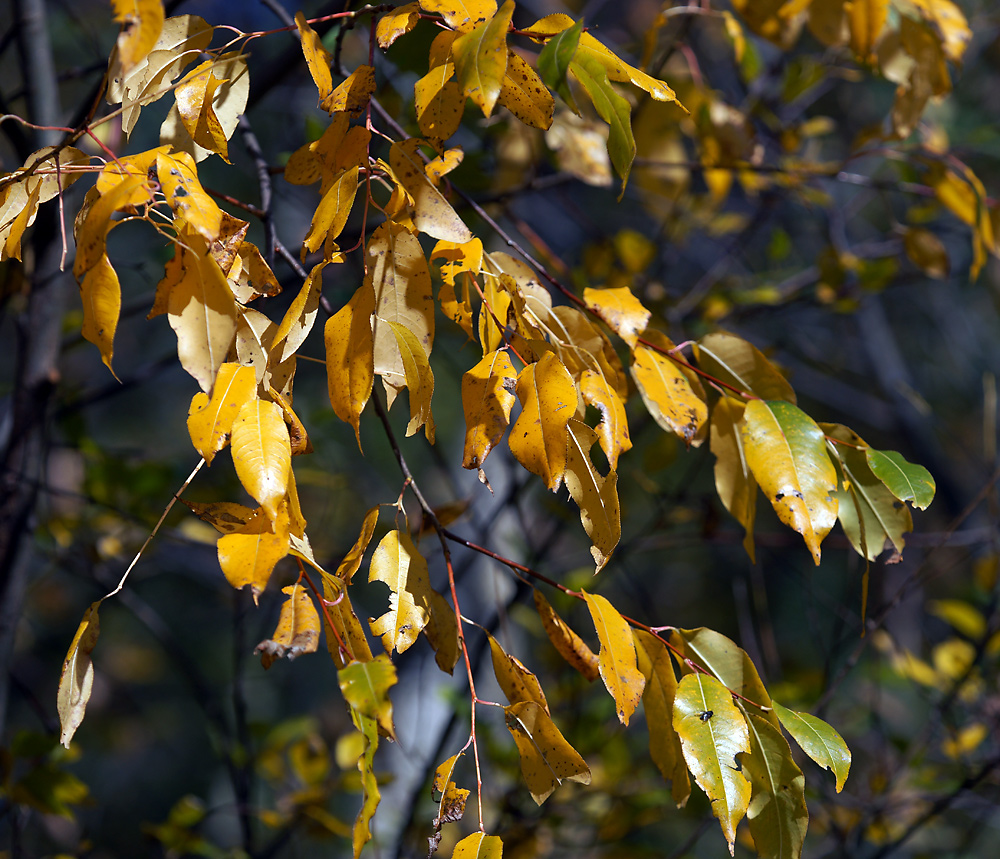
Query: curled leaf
{"x": 77, "y": 678}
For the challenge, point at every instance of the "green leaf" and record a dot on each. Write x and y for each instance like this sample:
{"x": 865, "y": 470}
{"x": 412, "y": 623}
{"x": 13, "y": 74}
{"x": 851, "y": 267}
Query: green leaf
{"x": 713, "y": 732}
{"x": 365, "y": 686}
{"x": 617, "y": 659}
{"x": 369, "y": 784}
{"x": 787, "y": 454}
{"x": 555, "y": 58}
{"x": 777, "y": 813}
{"x": 908, "y": 482}
{"x": 818, "y": 740}
{"x": 614, "y": 109}
{"x": 481, "y": 59}
{"x": 547, "y": 759}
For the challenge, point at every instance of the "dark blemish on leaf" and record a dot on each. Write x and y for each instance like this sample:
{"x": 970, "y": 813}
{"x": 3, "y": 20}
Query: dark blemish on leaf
{"x": 706, "y": 715}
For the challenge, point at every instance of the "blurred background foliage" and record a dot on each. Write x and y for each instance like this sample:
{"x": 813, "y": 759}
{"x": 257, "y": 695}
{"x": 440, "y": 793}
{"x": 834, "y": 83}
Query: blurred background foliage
{"x": 827, "y": 248}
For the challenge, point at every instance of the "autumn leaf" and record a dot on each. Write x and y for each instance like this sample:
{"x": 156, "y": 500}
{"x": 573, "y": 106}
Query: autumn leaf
{"x": 77, "y": 678}
{"x": 211, "y": 420}
{"x": 481, "y": 59}
{"x": 742, "y": 365}
{"x": 595, "y": 494}
{"x": 297, "y": 631}
{"x": 195, "y": 95}
{"x": 433, "y": 214}
{"x": 463, "y": 15}
{"x": 570, "y": 646}
{"x": 818, "y": 740}
{"x": 262, "y": 453}
{"x": 249, "y": 554}
{"x": 734, "y": 481}
{"x": 178, "y": 177}
{"x": 398, "y": 564}
{"x": 353, "y": 94}
{"x": 371, "y": 795}
{"x": 620, "y": 310}
{"x": 350, "y": 363}
{"x": 396, "y": 23}
{"x": 524, "y": 94}
{"x": 617, "y": 659}
{"x": 419, "y": 380}
{"x": 365, "y": 687}
{"x": 672, "y": 400}
{"x": 486, "y": 401}
{"x": 547, "y": 759}
{"x": 141, "y": 22}
{"x": 451, "y": 806}
{"x": 479, "y": 845}
{"x": 439, "y": 102}
{"x": 516, "y": 682}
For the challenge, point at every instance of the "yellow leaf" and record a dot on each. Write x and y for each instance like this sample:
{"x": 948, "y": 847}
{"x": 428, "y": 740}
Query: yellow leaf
{"x": 596, "y": 496}
{"x": 402, "y": 282}
{"x": 210, "y": 421}
{"x": 787, "y": 454}
{"x": 92, "y": 234}
{"x": 318, "y": 59}
{"x": 396, "y": 23}
{"x": 713, "y": 732}
{"x": 397, "y": 563}
{"x": 202, "y": 311}
{"x": 442, "y": 633}
{"x": 672, "y": 400}
{"x": 433, "y": 214}
{"x": 524, "y": 94}
{"x": 365, "y": 687}
{"x": 547, "y": 759}
{"x": 773, "y": 20}
{"x": 262, "y": 454}
{"x": 486, "y": 400}
{"x": 620, "y": 310}
{"x": 297, "y": 631}
{"x": 654, "y": 663}
{"x": 736, "y": 362}
{"x": 332, "y": 213}
{"x": 226, "y": 517}
{"x": 617, "y": 659}
{"x": 352, "y": 560}
{"x": 369, "y": 783}
{"x": 182, "y": 188}
{"x": 865, "y": 19}
{"x": 493, "y": 315}
{"x": 419, "y": 380}
{"x": 548, "y": 402}
{"x": 516, "y": 682}
{"x": 249, "y": 554}
{"x": 439, "y": 102}
{"x": 299, "y": 318}
{"x": 965, "y": 197}
{"x": 481, "y": 59}
{"x": 451, "y": 808}
{"x": 353, "y": 94}
{"x": 571, "y": 647}
{"x": 926, "y": 251}
{"x": 102, "y": 303}
{"x": 479, "y": 845}
{"x": 77, "y": 678}
{"x": 141, "y": 22}
{"x": 462, "y": 15}
{"x": 350, "y": 368}
{"x": 734, "y": 481}
{"x": 195, "y": 95}
{"x": 948, "y": 19}
{"x": 612, "y": 431}
{"x": 138, "y": 165}
{"x": 345, "y": 621}
{"x": 443, "y": 165}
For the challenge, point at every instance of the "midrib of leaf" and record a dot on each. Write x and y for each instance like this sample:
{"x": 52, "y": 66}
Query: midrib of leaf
{"x": 715, "y": 759}
{"x": 585, "y": 456}
{"x": 771, "y": 780}
{"x": 902, "y": 474}
{"x": 524, "y": 730}
{"x": 728, "y": 369}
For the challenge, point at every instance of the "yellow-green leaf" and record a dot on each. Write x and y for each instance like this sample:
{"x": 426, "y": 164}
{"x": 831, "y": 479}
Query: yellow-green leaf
{"x": 672, "y": 400}
{"x": 738, "y": 363}
{"x": 818, "y": 740}
{"x": 479, "y": 845}
{"x": 249, "y": 554}
{"x": 617, "y": 659}
{"x": 787, "y": 454}
{"x": 908, "y": 482}
{"x": 77, "y": 678}
{"x": 734, "y": 481}
{"x": 398, "y": 564}
{"x": 419, "y": 380}
{"x": 548, "y": 402}
{"x": 262, "y": 453}
{"x": 369, "y": 783}
{"x": 481, "y": 59}
{"x": 516, "y": 681}
{"x": 365, "y": 686}
{"x": 571, "y": 647}
{"x": 432, "y": 213}
{"x": 653, "y": 661}
{"x": 713, "y": 732}
{"x": 524, "y": 94}
{"x": 350, "y": 367}
{"x": 211, "y": 420}
{"x": 486, "y": 400}
{"x": 777, "y": 813}
{"x": 613, "y": 108}
{"x": 297, "y": 631}
{"x": 594, "y": 494}
{"x": 547, "y": 759}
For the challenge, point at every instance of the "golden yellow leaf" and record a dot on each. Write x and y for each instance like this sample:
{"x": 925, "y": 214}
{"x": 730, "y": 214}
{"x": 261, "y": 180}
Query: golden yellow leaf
{"x": 262, "y": 454}
{"x": 737, "y": 362}
{"x": 493, "y": 315}
{"x": 249, "y": 553}
{"x": 481, "y": 59}
{"x": 210, "y": 421}
{"x": 349, "y": 629}
{"x": 442, "y": 633}
{"x": 396, "y": 23}
{"x": 332, "y": 213}
{"x": 202, "y": 311}
{"x": 595, "y": 495}
{"x": 318, "y": 59}
{"x": 350, "y": 368}
{"x": 443, "y": 165}
{"x": 101, "y": 295}
{"x": 138, "y": 165}
{"x": 787, "y": 454}
{"x": 516, "y": 682}
{"x": 397, "y": 563}
{"x": 571, "y": 647}
{"x": 949, "y": 20}
{"x": 353, "y": 94}
{"x": 524, "y": 94}
{"x": 612, "y": 431}
{"x": 487, "y": 399}
{"x": 77, "y": 678}
{"x": 297, "y": 631}
{"x": 195, "y": 95}
{"x": 439, "y": 102}
{"x": 182, "y": 188}
{"x": 548, "y": 402}
{"x": 452, "y": 804}
{"x": 620, "y": 310}
{"x": 547, "y": 759}
{"x": 352, "y": 560}
{"x": 432, "y": 213}
{"x": 965, "y": 197}
{"x": 299, "y": 318}
{"x": 617, "y": 659}
{"x": 773, "y": 20}
{"x": 734, "y": 481}
{"x": 865, "y": 19}
{"x": 461, "y": 15}
{"x": 672, "y": 400}
{"x": 479, "y": 845}
{"x": 419, "y": 380}
{"x": 92, "y": 235}
{"x": 141, "y": 22}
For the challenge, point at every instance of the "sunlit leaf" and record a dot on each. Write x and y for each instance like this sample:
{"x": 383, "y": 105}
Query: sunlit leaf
{"x": 481, "y": 59}
{"x": 908, "y": 482}
{"x": 620, "y": 310}
{"x": 433, "y": 214}
{"x": 654, "y": 663}
{"x": 451, "y": 807}
{"x": 262, "y": 453}
{"x": 571, "y": 647}
{"x": 487, "y": 399}
{"x": 141, "y": 22}
{"x": 350, "y": 368}
{"x": 671, "y": 399}
{"x": 347, "y": 627}
{"x": 353, "y": 94}
{"x": 195, "y": 95}
{"x": 396, "y": 23}
{"x": 596, "y": 495}
{"x": 613, "y": 108}
{"x": 463, "y": 15}
{"x": 742, "y": 365}
{"x": 515, "y": 681}
{"x": 249, "y": 553}
{"x": 211, "y": 420}
{"x": 612, "y": 431}
{"x": 419, "y": 380}
{"x": 77, "y": 678}
{"x": 365, "y": 686}
{"x": 524, "y": 95}
{"x": 787, "y": 454}
{"x": 225, "y": 516}
{"x": 318, "y": 59}
{"x": 101, "y": 295}
{"x": 617, "y": 659}
{"x": 398, "y": 564}
{"x": 179, "y": 179}
{"x": 332, "y": 213}
{"x": 818, "y": 740}
{"x": 479, "y": 845}
{"x": 547, "y": 759}
{"x": 713, "y": 732}
{"x": 865, "y": 19}
{"x": 555, "y": 58}
{"x": 439, "y": 102}
{"x": 734, "y": 481}
{"x": 297, "y": 631}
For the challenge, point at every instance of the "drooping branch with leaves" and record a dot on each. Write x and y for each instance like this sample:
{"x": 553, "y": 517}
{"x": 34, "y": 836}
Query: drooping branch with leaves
{"x": 544, "y": 366}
